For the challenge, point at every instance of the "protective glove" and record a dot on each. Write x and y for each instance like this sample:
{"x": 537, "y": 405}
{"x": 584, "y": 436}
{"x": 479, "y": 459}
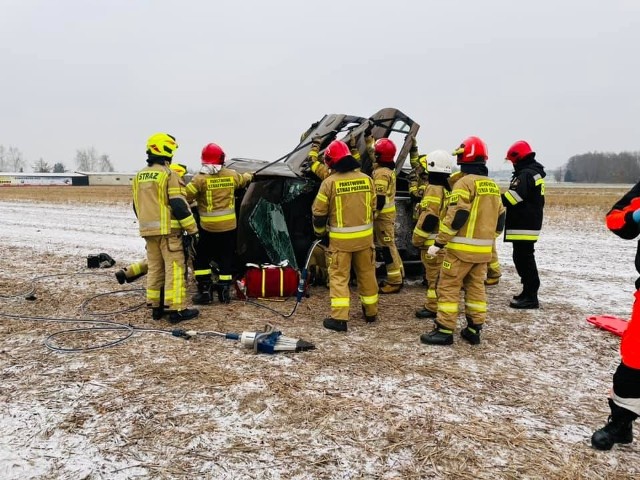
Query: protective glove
{"x": 305, "y": 166}
{"x": 636, "y": 216}
{"x": 433, "y": 250}
{"x": 414, "y": 143}
{"x": 369, "y": 129}
{"x": 194, "y": 238}
{"x": 316, "y": 142}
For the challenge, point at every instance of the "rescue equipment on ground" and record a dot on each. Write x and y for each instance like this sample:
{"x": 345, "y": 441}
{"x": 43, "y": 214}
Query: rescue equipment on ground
{"x": 100, "y": 260}
{"x": 609, "y": 323}
{"x": 267, "y": 341}
{"x": 269, "y": 281}
{"x": 300, "y": 291}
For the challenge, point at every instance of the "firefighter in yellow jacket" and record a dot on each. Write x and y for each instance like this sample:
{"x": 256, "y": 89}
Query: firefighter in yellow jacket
{"x": 384, "y": 179}
{"x": 474, "y": 216}
{"x": 344, "y": 209}
{"x": 433, "y": 207}
{"x": 163, "y": 214}
{"x": 140, "y": 268}
{"x": 214, "y": 189}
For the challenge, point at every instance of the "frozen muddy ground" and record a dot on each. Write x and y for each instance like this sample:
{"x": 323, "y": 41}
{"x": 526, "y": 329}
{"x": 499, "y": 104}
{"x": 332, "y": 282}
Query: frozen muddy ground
{"x": 373, "y": 403}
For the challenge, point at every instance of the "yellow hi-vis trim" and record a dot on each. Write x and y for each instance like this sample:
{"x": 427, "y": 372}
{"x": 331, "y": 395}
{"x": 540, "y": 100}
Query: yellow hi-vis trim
{"x": 369, "y": 300}
{"x": 217, "y": 218}
{"x": 199, "y": 273}
{"x": 510, "y": 198}
{"x": 448, "y": 307}
{"x": 480, "y": 307}
{"x": 463, "y": 247}
{"x": 179, "y": 290}
{"x": 532, "y": 238}
{"x": 339, "y": 218}
{"x": 322, "y": 198}
{"x": 361, "y": 234}
{"x": 136, "y": 268}
{"x": 339, "y": 302}
{"x": 225, "y": 277}
{"x": 153, "y": 295}
{"x": 431, "y": 293}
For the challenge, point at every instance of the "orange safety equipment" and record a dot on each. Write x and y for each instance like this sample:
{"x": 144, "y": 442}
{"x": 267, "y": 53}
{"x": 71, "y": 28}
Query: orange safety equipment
{"x": 212, "y": 154}
{"x": 472, "y": 150}
{"x": 518, "y": 151}
{"x": 385, "y": 150}
{"x": 335, "y": 152}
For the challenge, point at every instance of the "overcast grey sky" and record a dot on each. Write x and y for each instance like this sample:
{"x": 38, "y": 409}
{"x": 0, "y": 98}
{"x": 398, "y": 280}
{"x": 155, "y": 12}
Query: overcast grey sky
{"x": 252, "y": 75}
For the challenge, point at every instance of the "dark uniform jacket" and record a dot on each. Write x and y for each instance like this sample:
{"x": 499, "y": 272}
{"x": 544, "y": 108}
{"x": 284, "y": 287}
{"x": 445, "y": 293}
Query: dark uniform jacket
{"x": 524, "y": 201}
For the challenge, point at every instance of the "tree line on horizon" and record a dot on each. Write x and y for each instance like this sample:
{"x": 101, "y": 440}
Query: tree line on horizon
{"x": 600, "y": 167}
{"x": 86, "y": 160}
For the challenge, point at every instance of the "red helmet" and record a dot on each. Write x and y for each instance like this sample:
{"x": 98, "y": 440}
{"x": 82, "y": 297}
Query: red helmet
{"x": 472, "y": 150}
{"x": 385, "y": 150}
{"x": 518, "y": 151}
{"x": 212, "y": 154}
{"x": 335, "y": 152}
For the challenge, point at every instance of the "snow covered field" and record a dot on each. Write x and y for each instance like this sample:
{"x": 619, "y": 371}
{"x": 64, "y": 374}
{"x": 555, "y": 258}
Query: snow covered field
{"x": 374, "y": 403}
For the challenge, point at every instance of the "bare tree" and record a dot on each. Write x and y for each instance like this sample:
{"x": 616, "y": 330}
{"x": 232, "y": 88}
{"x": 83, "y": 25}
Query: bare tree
{"x": 2, "y": 159}
{"x": 88, "y": 160}
{"x": 14, "y": 159}
{"x": 105, "y": 163}
{"x": 41, "y": 166}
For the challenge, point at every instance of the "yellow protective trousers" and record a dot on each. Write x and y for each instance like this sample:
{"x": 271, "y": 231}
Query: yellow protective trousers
{"x": 136, "y": 269}
{"x": 384, "y": 237}
{"x": 432, "y": 265}
{"x": 165, "y": 257}
{"x": 363, "y": 263}
{"x": 493, "y": 270}
{"x": 454, "y": 275}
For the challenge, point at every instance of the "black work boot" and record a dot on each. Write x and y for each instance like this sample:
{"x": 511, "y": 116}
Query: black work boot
{"x": 619, "y": 428}
{"x": 425, "y": 313}
{"x": 518, "y": 296}
{"x": 525, "y": 302}
{"x": 205, "y": 288}
{"x": 121, "y": 277}
{"x": 157, "y": 313}
{"x": 224, "y": 293}
{"x": 333, "y": 324}
{"x": 182, "y": 315}
{"x": 368, "y": 318}
{"x": 438, "y": 336}
{"x": 471, "y": 333}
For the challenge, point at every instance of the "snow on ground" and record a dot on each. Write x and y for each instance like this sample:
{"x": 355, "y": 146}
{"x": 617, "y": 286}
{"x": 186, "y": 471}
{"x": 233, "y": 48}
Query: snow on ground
{"x": 373, "y": 403}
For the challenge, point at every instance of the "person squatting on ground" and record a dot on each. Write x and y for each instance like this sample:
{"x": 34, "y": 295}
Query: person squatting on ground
{"x": 524, "y": 201}
{"x": 214, "y": 190}
{"x": 384, "y": 179}
{"x": 624, "y": 220}
{"x": 344, "y": 208}
{"x": 163, "y": 213}
{"x": 474, "y": 216}
{"x": 138, "y": 269}
{"x": 432, "y": 209}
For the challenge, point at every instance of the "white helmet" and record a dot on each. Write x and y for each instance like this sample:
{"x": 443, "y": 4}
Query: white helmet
{"x": 439, "y": 161}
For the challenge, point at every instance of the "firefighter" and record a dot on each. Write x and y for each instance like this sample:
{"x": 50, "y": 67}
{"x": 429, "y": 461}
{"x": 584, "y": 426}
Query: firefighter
{"x": 418, "y": 178}
{"x": 138, "y": 269}
{"x": 524, "y": 201}
{"x": 214, "y": 189}
{"x": 344, "y": 208}
{"x": 433, "y": 206}
{"x": 474, "y": 216}
{"x": 624, "y": 400}
{"x": 384, "y": 178}
{"x": 163, "y": 214}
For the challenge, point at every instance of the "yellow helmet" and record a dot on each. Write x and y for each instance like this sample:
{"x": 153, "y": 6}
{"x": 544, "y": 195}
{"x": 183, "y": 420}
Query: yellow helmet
{"x": 423, "y": 162}
{"x": 161, "y": 145}
{"x": 180, "y": 169}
